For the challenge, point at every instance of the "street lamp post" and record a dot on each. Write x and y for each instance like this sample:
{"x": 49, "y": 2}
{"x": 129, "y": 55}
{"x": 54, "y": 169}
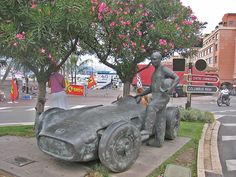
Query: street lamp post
{"x": 189, "y": 95}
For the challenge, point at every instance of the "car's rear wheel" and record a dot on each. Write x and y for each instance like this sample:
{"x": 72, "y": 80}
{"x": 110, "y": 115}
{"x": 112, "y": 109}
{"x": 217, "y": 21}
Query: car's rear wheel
{"x": 172, "y": 122}
{"x": 119, "y": 146}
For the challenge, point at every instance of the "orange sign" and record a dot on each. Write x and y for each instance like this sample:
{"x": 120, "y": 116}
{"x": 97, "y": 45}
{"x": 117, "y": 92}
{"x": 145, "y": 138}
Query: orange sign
{"x": 75, "y": 90}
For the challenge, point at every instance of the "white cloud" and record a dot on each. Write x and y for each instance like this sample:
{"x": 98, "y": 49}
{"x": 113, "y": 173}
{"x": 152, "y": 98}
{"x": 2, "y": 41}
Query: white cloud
{"x": 211, "y": 11}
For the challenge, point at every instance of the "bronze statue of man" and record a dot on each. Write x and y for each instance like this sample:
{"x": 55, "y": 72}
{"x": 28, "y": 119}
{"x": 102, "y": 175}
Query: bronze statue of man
{"x": 160, "y": 88}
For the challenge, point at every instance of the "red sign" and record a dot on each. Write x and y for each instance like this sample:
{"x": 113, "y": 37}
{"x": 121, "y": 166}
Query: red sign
{"x": 202, "y": 78}
{"x": 75, "y": 90}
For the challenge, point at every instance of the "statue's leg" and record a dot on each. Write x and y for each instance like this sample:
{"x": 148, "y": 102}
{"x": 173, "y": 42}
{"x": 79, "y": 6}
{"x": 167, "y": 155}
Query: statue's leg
{"x": 159, "y": 129}
{"x": 150, "y": 118}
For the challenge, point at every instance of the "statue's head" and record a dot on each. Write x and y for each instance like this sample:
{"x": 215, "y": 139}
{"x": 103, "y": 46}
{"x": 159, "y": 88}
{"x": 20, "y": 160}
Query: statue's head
{"x": 156, "y": 59}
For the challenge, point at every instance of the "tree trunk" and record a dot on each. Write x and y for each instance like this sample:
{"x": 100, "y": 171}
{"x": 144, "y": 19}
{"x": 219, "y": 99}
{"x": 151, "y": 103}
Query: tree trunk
{"x": 75, "y": 75}
{"x": 126, "y": 89}
{"x": 41, "y": 98}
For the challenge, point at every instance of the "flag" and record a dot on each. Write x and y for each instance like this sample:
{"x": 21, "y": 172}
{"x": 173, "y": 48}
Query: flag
{"x": 91, "y": 81}
{"x": 139, "y": 81}
{"x": 14, "y": 90}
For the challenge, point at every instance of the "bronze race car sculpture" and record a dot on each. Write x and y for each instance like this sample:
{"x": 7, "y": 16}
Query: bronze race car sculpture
{"x": 110, "y": 133}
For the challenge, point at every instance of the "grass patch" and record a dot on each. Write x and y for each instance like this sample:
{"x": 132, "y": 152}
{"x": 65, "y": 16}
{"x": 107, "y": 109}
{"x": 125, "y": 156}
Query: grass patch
{"x": 187, "y": 155}
{"x": 26, "y": 130}
{"x": 98, "y": 171}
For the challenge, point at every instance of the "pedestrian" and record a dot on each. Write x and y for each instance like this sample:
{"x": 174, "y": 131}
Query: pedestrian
{"x": 58, "y": 96}
{"x": 155, "y": 122}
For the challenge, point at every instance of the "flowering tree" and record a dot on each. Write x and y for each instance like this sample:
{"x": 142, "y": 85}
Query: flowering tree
{"x": 41, "y": 34}
{"x": 124, "y": 33}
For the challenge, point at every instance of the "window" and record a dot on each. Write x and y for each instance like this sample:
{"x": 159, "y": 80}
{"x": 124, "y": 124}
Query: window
{"x": 216, "y": 46}
{"x": 231, "y": 23}
{"x": 216, "y": 36}
{"x": 210, "y": 60}
{"x": 216, "y": 59}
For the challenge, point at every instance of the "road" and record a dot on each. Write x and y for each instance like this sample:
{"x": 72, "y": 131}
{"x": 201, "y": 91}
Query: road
{"x": 24, "y": 112}
{"x": 227, "y": 132}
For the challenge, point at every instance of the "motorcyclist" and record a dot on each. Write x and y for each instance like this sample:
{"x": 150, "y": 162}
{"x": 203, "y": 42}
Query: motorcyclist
{"x": 224, "y": 93}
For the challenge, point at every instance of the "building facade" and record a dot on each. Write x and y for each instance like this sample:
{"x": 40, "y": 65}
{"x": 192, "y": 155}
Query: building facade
{"x": 219, "y": 49}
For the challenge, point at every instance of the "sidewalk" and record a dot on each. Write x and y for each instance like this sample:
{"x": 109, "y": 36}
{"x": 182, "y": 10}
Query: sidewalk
{"x": 21, "y": 157}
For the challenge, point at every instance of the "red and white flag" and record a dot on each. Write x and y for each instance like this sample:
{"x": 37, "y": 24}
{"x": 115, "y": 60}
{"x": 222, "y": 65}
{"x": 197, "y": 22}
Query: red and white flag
{"x": 91, "y": 81}
{"x": 139, "y": 81}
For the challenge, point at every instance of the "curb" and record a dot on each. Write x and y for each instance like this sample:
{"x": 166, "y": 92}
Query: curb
{"x": 16, "y": 124}
{"x": 208, "y": 155}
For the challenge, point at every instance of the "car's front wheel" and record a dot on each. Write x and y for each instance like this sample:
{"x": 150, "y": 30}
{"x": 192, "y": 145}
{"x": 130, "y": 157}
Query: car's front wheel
{"x": 119, "y": 146}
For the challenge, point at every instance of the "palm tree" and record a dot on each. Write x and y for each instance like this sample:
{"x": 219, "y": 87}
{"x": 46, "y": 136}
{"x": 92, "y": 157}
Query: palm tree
{"x": 76, "y": 65}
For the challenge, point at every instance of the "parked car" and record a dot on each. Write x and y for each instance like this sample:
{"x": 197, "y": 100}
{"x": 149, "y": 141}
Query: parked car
{"x": 110, "y": 133}
{"x": 179, "y": 92}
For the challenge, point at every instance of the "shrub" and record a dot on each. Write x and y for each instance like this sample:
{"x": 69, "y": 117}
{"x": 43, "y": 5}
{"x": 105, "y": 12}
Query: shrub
{"x": 193, "y": 114}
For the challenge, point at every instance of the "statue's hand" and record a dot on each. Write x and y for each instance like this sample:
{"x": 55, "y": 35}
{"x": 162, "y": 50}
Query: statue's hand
{"x": 167, "y": 90}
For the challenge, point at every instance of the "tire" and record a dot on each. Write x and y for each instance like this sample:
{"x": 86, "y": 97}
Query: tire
{"x": 172, "y": 123}
{"x": 119, "y": 146}
{"x": 219, "y": 102}
{"x": 227, "y": 102}
{"x": 38, "y": 121}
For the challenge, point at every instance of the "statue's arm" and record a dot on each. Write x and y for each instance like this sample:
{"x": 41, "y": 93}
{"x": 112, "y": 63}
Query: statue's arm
{"x": 172, "y": 75}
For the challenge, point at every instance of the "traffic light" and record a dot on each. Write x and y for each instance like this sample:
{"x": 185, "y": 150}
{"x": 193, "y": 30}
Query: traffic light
{"x": 179, "y": 64}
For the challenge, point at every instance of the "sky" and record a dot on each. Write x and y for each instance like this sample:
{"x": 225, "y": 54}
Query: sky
{"x": 211, "y": 11}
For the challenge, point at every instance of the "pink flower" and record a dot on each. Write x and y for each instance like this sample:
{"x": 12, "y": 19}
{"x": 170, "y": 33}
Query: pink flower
{"x": 49, "y": 55}
{"x": 141, "y": 5}
{"x": 20, "y": 36}
{"x": 102, "y": 7}
{"x": 33, "y": 6}
{"x": 100, "y": 17}
{"x": 15, "y": 43}
{"x": 94, "y": 2}
{"x": 193, "y": 17}
{"x": 42, "y": 50}
{"x": 187, "y": 22}
{"x": 126, "y": 44}
{"x": 152, "y": 26}
{"x": 145, "y": 14}
{"x": 162, "y": 42}
{"x": 112, "y": 24}
{"x": 134, "y": 44}
{"x": 171, "y": 44}
{"x": 122, "y": 36}
{"x": 140, "y": 33}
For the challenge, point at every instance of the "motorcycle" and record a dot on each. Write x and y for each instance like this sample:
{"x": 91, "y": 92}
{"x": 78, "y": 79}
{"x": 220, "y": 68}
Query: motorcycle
{"x": 223, "y": 99}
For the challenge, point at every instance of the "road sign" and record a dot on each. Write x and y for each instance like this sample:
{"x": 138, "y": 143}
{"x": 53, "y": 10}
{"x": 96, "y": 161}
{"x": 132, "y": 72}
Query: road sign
{"x": 202, "y": 78}
{"x": 201, "y": 89}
